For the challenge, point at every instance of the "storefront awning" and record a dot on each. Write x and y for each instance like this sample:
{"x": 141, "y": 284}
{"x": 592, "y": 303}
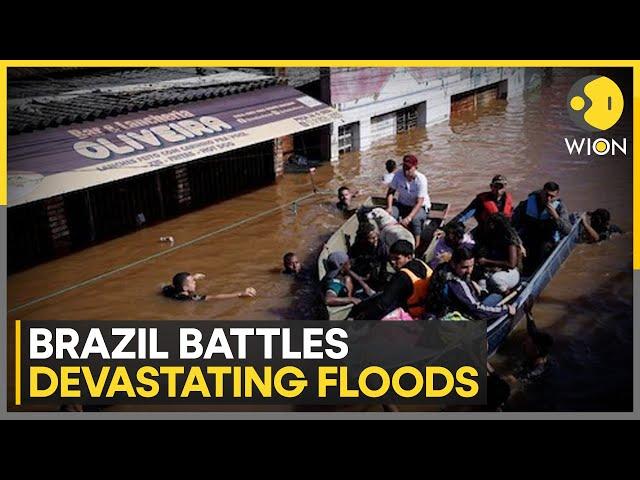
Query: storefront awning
{"x": 51, "y": 162}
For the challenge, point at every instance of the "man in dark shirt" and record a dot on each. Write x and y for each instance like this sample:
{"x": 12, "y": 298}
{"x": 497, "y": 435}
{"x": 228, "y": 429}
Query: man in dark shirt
{"x": 407, "y": 288}
{"x": 183, "y": 287}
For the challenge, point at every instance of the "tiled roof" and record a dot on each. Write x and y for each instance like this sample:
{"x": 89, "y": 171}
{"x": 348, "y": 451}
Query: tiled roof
{"x": 299, "y": 76}
{"x": 54, "y": 108}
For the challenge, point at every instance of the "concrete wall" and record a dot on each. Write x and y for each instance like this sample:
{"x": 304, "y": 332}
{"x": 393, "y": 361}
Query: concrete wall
{"x": 361, "y": 94}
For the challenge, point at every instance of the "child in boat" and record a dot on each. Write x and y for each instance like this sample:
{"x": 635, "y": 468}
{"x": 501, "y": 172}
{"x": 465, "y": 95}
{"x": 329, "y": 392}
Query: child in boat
{"x": 183, "y": 287}
{"x": 390, "y": 166}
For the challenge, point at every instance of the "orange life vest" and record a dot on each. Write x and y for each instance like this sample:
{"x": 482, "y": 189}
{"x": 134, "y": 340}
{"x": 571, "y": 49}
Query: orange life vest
{"x": 490, "y": 206}
{"x": 416, "y": 302}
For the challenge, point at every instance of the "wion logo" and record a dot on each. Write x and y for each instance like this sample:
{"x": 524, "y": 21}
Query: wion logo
{"x": 595, "y": 104}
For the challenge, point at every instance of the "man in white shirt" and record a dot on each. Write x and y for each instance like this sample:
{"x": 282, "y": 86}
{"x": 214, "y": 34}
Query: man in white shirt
{"x": 413, "y": 201}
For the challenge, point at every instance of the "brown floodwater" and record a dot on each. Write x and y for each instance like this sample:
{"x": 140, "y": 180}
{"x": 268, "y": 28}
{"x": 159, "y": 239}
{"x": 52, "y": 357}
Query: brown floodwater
{"x": 587, "y": 307}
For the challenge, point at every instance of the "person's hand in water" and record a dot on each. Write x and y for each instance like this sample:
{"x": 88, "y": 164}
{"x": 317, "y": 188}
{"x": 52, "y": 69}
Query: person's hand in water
{"x": 248, "y": 292}
{"x": 198, "y": 276}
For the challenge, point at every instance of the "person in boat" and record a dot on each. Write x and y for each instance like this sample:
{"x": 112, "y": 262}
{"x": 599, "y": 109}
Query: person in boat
{"x": 541, "y": 221}
{"x": 413, "y": 202}
{"x": 291, "y": 264}
{"x": 345, "y": 196}
{"x": 340, "y": 283}
{"x": 597, "y": 226}
{"x": 452, "y": 290}
{"x": 407, "y": 289}
{"x": 368, "y": 256}
{"x": 183, "y": 287}
{"x": 453, "y": 236}
{"x": 390, "y": 166}
{"x": 499, "y": 256}
{"x": 496, "y": 200}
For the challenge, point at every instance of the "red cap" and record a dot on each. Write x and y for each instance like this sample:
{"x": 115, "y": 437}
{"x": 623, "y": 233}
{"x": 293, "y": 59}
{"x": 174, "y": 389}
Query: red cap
{"x": 410, "y": 160}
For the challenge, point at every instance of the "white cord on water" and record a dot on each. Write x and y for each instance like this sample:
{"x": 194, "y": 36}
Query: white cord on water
{"x": 159, "y": 254}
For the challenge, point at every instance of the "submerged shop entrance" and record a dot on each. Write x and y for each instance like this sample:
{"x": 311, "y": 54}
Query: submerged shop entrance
{"x": 44, "y": 229}
{"x": 471, "y": 100}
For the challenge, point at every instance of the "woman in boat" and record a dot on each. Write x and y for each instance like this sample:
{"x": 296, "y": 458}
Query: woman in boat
{"x": 368, "y": 255}
{"x": 338, "y": 283}
{"x": 500, "y": 255}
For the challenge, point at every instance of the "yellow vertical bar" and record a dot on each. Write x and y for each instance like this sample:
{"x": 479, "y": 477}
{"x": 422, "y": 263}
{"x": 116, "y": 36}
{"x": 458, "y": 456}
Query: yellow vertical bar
{"x": 636, "y": 166}
{"x": 18, "y": 398}
{"x": 3, "y": 132}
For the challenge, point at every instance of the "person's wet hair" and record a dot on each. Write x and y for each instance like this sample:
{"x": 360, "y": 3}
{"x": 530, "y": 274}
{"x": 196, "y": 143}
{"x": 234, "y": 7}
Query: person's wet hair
{"x": 551, "y": 187}
{"x": 600, "y": 219}
{"x": 390, "y": 165}
{"x": 401, "y": 247}
{"x": 342, "y": 189}
{"x": 287, "y": 257}
{"x": 461, "y": 254}
{"x": 177, "y": 284}
{"x": 179, "y": 279}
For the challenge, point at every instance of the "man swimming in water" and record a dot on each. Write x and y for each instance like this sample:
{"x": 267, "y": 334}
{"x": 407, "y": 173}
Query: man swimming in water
{"x": 183, "y": 287}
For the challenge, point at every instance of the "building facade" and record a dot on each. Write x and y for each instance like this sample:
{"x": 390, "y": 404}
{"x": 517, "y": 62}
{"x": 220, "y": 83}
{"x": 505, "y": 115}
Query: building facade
{"x": 378, "y": 102}
{"x": 99, "y": 158}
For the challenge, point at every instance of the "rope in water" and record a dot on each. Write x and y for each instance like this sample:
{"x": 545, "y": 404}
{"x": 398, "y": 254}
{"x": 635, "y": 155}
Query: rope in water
{"x": 159, "y": 254}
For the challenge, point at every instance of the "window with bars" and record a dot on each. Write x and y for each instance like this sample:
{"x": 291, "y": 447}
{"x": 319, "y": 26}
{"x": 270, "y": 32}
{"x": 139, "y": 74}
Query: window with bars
{"x": 407, "y": 119}
{"x": 345, "y": 138}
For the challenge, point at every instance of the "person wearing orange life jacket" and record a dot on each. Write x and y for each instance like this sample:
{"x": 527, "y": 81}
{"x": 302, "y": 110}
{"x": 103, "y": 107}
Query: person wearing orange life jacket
{"x": 497, "y": 200}
{"x": 407, "y": 289}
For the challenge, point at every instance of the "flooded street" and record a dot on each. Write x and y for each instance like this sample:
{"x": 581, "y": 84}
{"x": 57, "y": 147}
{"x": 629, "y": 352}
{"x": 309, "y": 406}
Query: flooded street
{"x": 587, "y": 307}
